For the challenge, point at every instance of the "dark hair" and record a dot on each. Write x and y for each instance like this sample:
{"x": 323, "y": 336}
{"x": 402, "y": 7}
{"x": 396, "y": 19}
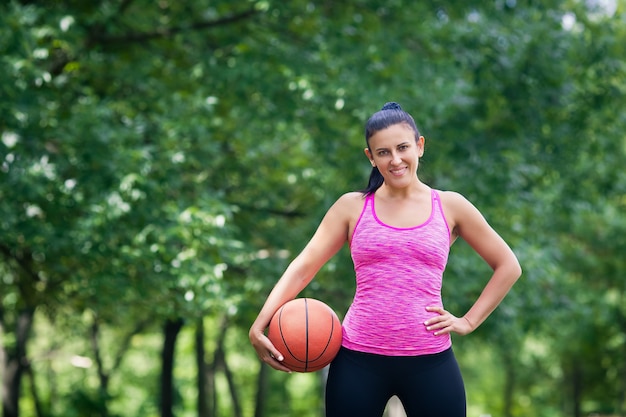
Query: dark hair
{"x": 390, "y": 114}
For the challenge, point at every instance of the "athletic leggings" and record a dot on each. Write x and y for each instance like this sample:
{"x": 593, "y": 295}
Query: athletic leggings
{"x": 360, "y": 384}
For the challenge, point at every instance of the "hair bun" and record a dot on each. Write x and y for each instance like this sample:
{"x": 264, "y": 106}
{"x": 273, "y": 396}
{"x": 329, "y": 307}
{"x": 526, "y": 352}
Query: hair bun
{"x": 392, "y": 105}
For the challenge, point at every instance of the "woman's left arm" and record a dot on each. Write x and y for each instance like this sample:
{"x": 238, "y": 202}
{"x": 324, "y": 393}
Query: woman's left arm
{"x": 468, "y": 223}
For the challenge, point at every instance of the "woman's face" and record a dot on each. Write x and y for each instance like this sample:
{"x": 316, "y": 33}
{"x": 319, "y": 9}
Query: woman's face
{"x": 395, "y": 152}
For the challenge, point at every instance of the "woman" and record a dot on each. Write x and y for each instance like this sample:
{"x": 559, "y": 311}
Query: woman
{"x": 396, "y": 333}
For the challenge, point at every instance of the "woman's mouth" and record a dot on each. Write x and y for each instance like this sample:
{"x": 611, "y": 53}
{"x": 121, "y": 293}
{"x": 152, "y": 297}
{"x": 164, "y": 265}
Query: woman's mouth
{"x": 398, "y": 172}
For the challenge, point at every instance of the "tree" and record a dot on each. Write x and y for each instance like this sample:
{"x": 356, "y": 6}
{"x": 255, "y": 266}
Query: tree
{"x": 162, "y": 162}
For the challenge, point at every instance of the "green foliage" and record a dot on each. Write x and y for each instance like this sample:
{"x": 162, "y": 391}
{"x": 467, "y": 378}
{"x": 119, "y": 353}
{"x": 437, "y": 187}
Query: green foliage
{"x": 167, "y": 160}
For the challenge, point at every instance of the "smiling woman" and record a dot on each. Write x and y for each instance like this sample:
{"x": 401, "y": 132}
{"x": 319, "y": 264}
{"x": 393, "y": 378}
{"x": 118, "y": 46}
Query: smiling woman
{"x": 397, "y": 153}
{"x": 390, "y": 116}
{"x": 396, "y": 333}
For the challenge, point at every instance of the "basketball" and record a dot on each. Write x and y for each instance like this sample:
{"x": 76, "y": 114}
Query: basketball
{"x": 308, "y": 334}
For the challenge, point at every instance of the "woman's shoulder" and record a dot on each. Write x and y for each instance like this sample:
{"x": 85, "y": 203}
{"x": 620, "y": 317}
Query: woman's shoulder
{"x": 451, "y": 197}
{"x": 457, "y": 206}
{"x": 353, "y": 196}
{"x": 349, "y": 202}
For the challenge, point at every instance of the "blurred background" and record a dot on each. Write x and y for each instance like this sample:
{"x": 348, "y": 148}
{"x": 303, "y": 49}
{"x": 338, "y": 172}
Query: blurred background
{"x": 161, "y": 162}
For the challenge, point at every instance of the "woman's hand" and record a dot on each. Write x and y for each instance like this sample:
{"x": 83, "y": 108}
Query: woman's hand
{"x": 446, "y": 323}
{"x": 266, "y": 350}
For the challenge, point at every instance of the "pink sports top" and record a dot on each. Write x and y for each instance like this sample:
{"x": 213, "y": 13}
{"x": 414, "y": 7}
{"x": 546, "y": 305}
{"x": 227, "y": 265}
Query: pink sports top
{"x": 398, "y": 274}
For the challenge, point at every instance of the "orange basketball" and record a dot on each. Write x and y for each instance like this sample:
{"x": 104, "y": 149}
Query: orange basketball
{"x": 308, "y": 334}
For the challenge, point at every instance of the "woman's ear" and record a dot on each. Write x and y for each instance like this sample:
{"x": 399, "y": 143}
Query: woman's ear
{"x": 420, "y": 145}
{"x": 369, "y": 156}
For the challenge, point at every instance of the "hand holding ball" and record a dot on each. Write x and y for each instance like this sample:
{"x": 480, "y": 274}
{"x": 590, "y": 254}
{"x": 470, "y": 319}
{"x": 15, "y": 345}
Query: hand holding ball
{"x": 308, "y": 334}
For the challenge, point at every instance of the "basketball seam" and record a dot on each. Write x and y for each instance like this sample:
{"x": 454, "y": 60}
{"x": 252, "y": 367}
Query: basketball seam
{"x": 280, "y": 328}
{"x": 330, "y": 337}
{"x": 306, "y": 339}
{"x": 307, "y": 362}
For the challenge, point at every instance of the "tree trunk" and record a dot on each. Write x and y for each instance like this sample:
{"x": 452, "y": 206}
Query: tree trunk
{"x": 211, "y": 389}
{"x": 3, "y": 351}
{"x": 39, "y": 411}
{"x": 577, "y": 388}
{"x": 261, "y": 392}
{"x": 621, "y": 401}
{"x": 203, "y": 392}
{"x": 509, "y": 385}
{"x": 234, "y": 396}
{"x": 170, "y": 330}
{"x": 16, "y": 364}
{"x": 220, "y": 362}
{"x": 103, "y": 376}
{"x": 573, "y": 386}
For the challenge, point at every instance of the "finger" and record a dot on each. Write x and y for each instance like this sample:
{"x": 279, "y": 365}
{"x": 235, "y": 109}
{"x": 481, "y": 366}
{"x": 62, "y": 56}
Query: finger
{"x": 438, "y": 325}
{"x": 452, "y": 325}
{"x": 445, "y": 330}
{"x": 437, "y": 319}
{"x": 268, "y": 349}
{"x": 276, "y": 355}
{"x": 442, "y": 328}
{"x": 276, "y": 364}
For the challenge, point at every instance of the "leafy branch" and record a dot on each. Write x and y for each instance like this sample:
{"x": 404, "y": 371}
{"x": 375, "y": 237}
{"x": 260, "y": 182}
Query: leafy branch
{"x": 167, "y": 31}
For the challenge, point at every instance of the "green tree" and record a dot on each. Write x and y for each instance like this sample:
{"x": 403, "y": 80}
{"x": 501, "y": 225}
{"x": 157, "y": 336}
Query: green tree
{"x": 161, "y": 163}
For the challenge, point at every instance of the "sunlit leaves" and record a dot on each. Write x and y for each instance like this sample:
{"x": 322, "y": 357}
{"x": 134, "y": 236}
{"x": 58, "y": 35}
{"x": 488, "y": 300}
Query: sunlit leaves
{"x": 168, "y": 159}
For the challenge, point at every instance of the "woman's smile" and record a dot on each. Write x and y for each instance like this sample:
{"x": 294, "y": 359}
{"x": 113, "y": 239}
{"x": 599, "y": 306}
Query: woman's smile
{"x": 398, "y": 172}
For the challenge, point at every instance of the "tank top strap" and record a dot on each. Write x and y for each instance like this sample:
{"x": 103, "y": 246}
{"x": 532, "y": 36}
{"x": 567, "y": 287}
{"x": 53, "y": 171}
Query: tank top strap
{"x": 366, "y": 212}
{"x": 369, "y": 200}
{"x": 439, "y": 207}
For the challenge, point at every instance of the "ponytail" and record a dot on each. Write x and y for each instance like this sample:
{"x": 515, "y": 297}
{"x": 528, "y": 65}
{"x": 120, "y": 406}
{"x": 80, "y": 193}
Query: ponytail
{"x": 374, "y": 183}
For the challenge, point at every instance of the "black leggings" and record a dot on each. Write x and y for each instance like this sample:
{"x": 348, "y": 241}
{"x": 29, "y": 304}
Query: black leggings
{"x": 360, "y": 384}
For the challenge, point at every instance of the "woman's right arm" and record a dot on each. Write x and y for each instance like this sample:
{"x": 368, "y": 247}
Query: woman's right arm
{"x": 329, "y": 237}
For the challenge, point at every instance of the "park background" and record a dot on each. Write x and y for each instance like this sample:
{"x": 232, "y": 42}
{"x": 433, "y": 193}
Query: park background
{"x": 162, "y": 161}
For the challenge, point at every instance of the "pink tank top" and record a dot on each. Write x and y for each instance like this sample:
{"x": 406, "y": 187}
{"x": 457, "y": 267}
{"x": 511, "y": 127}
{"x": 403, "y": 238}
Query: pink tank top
{"x": 399, "y": 273}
